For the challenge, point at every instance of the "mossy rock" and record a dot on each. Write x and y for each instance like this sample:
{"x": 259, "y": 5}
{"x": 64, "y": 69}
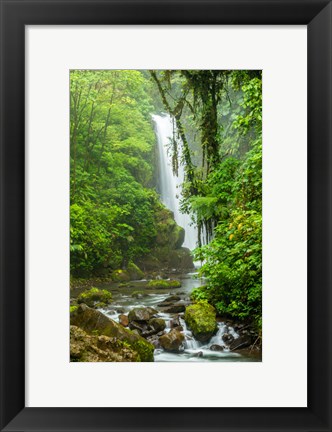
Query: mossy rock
{"x": 201, "y": 318}
{"x": 168, "y": 232}
{"x": 179, "y": 236}
{"x": 73, "y": 308}
{"x": 95, "y": 348}
{"x": 181, "y": 259}
{"x": 95, "y": 297}
{"x": 120, "y": 276}
{"x": 161, "y": 283}
{"x": 96, "y": 323}
{"x": 149, "y": 263}
{"x": 168, "y": 258}
{"x": 135, "y": 273}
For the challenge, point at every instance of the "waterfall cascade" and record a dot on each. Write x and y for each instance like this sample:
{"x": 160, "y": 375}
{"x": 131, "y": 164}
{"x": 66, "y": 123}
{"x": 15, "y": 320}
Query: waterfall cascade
{"x": 170, "y": 185}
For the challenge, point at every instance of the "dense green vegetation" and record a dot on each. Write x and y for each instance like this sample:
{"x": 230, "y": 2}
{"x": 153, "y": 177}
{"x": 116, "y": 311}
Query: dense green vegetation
{"x": 218, "y": 140}
{"x": 112, "y": 146}
{"x": 223, "y": 189}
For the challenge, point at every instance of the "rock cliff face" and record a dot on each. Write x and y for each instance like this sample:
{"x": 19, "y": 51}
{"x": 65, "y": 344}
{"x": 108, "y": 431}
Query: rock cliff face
{"x": 168, "y": 253}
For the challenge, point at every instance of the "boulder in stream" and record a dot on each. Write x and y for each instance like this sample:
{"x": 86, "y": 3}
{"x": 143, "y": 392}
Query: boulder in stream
{"x": 172, "y": 341}
{"x": 175, "y": 322}
{"x": 175, "y": 308}
{"x": 158, "y": 324}
{"x": 216, "y": 347}
{"x": 123, "y": 320}
{"x": 201, "y": 318}
{"x": 120, "y": 276}
{"x": 172, "y": 298}
{"x": 164, "y": 284}
{"x": 241, "y": 342}
{"x": 142, "y": 314}
{"x": 95, "y": 297}
{"x": 228, "y": 338}
{"x": 134, "y": 272}
{"x": 181, "y": 259}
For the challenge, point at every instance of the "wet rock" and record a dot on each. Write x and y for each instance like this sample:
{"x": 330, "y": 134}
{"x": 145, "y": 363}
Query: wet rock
{"x": 123, "y": 320}
{"x": 155, "y": 343}
{"x": 153, "y": 327}
{"x": 172, "y": 341}
{"x": 216, "y": 347}
{"x": 158, "y": 275}
{"x": 227, "y": 338}
{"x": 88, "y": 348}
{"x": 94, "y": 322}
{"x": 178, "y": 328}
{"x": 95, "y": 297}
{"x": 141, "y": 314}
{"x": 169, "y": 233}
{"x": 168, "y": 253}
{"x": 141, "y": 326}
{"x": 149, "y": 263}
{"x": 120, "y": 276}
{"x": 165, "y": 304}
{"x": 138, "y": 294}
{"x": 172, "y": 298}
{"x": 164, "y": 284}
{"x": 175, "y": 322}
{"x": 181, "y": 259}
{"x": 241, "y": 342}
{"x": 175, "y": 308}
{"x": 134, "y": 272}
{"x": 201, "y": 318}
{"x": 158, "y": 324}
{"x": 169, "y": 301}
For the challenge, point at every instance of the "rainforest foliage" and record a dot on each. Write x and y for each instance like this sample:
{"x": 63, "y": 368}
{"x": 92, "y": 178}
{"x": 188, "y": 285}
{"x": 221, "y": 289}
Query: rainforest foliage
{"x": 223, "y": 185}
{"x": 218, "y": 140}
{"x": 112, "y": 145}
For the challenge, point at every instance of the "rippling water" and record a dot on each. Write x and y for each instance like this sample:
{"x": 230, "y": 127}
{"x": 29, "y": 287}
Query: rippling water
{"x": 193, "y": 350}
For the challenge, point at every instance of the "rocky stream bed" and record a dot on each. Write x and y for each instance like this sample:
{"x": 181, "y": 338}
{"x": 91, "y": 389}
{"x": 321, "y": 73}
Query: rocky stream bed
{"x": 159, "y": 323}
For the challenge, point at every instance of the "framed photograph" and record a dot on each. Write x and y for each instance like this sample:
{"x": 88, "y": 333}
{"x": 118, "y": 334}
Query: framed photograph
{"x": 166, "y": 234}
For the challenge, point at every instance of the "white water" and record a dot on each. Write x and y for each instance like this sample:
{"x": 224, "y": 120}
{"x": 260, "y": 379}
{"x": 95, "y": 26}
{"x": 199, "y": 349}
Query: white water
{"x": 192, "y": 350}
{"x": 170, "y": 185}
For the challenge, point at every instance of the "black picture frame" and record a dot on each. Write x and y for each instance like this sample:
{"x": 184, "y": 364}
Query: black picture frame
{"x": 15, "y": 14}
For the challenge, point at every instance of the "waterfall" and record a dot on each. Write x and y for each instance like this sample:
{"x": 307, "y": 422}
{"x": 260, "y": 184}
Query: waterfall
{"x": 170, "y": 186}
{"x": 218, "y": 338}
{"x": 190, "y": 342}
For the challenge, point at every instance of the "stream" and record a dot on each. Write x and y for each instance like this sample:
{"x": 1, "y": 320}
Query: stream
{"x": 192, "y": 350}
{"x": 170, "y": 189}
